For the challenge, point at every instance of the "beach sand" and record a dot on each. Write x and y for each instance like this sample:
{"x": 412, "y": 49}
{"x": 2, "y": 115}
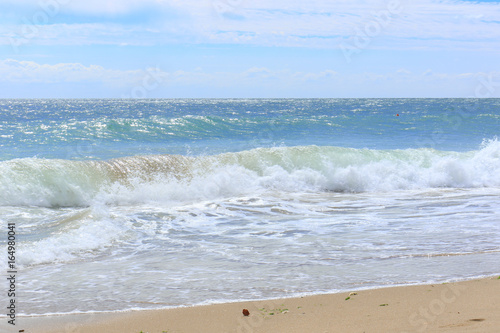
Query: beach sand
{"x": 468, "y": 306}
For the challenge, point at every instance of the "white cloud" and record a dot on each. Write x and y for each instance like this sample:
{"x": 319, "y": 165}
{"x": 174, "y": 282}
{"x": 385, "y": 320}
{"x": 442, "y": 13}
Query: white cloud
{"x": 261, "y": 80}
{"x": 31, "y": 72}
{"x": 395, "y": 24}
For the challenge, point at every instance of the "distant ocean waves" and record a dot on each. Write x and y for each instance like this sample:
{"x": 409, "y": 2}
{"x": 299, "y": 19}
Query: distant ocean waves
{"x": 175, "y": 178}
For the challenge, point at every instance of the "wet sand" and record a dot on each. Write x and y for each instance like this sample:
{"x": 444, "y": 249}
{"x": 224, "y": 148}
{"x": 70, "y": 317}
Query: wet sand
{"x": 468, "y": 306}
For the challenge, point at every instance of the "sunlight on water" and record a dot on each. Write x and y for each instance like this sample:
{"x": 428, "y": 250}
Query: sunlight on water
{"x": 275, "y": 197}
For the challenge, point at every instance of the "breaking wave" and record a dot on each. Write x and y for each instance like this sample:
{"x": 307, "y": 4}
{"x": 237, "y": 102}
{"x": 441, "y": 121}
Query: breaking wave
{"x": 174, "y": 178}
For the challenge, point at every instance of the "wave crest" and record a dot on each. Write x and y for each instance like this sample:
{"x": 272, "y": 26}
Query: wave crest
{"x": 174, "y": 178}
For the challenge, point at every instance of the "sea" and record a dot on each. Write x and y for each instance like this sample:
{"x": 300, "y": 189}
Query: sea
{"x": 132, "y": 204}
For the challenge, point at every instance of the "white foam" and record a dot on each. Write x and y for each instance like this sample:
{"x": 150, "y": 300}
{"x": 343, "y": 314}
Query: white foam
{"x": 84, "y": 238}
{"x": 166, "y": 178}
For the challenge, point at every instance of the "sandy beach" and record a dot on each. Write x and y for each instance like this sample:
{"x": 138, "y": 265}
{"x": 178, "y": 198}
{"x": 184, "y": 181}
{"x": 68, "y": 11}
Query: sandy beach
{"x": 468, "y": 306}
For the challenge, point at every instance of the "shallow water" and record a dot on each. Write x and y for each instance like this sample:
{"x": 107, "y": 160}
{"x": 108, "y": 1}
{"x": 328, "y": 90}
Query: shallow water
{"x": 145, "y": 204}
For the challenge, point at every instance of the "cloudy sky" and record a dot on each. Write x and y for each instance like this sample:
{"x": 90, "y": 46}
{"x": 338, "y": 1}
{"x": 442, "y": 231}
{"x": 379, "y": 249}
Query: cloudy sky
{"x": 249, "y": 48}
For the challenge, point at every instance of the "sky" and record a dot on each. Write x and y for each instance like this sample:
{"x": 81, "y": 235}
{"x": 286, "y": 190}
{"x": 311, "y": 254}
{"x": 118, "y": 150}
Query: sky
{"x": 249, "y": 48}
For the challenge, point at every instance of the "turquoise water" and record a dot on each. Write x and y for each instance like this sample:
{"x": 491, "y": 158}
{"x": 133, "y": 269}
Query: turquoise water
{"x": 133, "y": 204}
{"x": 104, "y": 129}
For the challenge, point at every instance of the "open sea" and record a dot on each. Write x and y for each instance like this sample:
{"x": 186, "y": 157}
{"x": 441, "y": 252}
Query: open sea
{"x": 154, "y": 203}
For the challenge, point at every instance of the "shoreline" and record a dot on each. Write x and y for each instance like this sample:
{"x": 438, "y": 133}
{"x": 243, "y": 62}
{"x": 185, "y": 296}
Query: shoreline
{"x": 465, "y": 306}
{"x": 219, "y": 302}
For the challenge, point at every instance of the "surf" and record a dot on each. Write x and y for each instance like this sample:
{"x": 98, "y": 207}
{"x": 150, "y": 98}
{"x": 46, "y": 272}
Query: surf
{"x": 177, "y": 178}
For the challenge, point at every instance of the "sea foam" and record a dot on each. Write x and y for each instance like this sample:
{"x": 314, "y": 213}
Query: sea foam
{"x": 175, "y": 178}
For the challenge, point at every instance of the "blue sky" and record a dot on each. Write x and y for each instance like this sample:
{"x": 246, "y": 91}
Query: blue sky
{"x": 243, "y": 48}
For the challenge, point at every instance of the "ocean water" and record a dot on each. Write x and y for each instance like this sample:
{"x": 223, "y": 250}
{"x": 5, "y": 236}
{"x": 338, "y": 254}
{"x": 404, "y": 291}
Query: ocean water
{"x": 140, "y": 204}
